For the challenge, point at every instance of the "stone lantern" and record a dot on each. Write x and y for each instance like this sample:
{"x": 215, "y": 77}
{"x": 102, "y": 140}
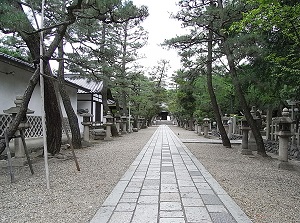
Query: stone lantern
{"x": 284, "y": 133}
{"x": 18, "y": 144}
{"x": 225, "y": 120}
{"x": 196, "y": 126}
{"x": 185, "y": 124}
{"x": 139, "y": 123}
{"x": 124, "y": 121}
{"x": 252, "y": 143}
{"x": 206, "y": 122}
{"x": 108, "y": 124}
{"x": 144, "y": 125}
{"x": 230, "y": 128}
{"x": 129, "y": 121}
{"x": 199, "y": 127}
{"x": 118, "y": 122}
{"x": 86, "y": 122}
{"x": 245, "y": 129}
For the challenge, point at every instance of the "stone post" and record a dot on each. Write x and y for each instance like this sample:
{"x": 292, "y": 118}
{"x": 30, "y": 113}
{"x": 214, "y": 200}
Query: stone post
{"x": 252, "y": 143}
{"x": 284, "y": 133}
{"x": 86, "y": 126}
{"x": 108, "y": 124}
{"x": 139, "y": 123}
{"x": 196, "y": 127}
{"x": 124, "y": 120}
{"x": 19, "y": 159}
{"x": 230, "y": 128}
{"x": 144, "y": 123}
{"x": 225, "y": 123}
{"x": 129, "y": 123}
{"x": 269, "y": 124}
{"x": 272, "y": 129}
{"x": 185, "y": 126}
{"x": 234, "y": 125}
{"x": 118, "y": 122}
{"x": 205, "y": 127}
{"x": 199, "y": 130}
{"x": 245, "y": 129}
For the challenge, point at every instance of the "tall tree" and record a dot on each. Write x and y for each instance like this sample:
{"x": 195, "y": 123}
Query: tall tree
{"x": 192, "y": 14}
{"x": 225, "y": 20}
{"x": 131, "y": 36}
{"x": 15, "y": 20}
{"x": 23, "y": 26}
{"x": 108, "y": 52}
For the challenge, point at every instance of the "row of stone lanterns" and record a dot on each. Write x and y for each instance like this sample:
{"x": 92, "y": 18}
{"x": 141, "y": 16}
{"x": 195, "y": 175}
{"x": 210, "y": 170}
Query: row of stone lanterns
{"x": 284, "y": 133}
{"x": 205, "y": 125}
{"x": 124, "y": 125}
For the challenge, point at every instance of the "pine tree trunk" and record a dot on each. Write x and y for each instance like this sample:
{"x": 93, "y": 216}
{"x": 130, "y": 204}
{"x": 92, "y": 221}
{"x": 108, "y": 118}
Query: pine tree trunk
{"x": 214, "y": 103}
{"x": 72, "y": 117}
{"x": 32, "y": 40}
{"x": 232, "y": 70}
{"x": 104, "y": 97}
{"x": 53, "y": 118}
{"x": 255, "y": 130}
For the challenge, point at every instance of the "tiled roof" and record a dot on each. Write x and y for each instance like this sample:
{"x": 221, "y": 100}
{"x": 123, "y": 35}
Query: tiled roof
{"x": 92, "y": 86}
{"x": 11, "y": 58}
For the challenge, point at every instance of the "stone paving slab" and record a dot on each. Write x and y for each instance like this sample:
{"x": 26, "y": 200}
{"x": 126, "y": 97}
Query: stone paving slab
{"x": 167, "y": 184}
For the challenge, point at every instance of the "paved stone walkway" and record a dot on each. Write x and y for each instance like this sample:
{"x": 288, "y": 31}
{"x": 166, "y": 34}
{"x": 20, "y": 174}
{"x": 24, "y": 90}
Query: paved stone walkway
{"x": 167, "y": 184}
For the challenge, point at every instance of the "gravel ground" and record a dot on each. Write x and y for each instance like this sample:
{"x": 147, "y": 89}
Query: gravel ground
{"x": 264, "y": 192}
{"x": 74, "y": 196}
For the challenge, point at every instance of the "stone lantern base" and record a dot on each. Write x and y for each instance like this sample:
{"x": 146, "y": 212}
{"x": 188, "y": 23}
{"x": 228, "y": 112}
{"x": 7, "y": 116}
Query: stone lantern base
{"x": 285, "y": 165}
{"x": 15, "y": 162}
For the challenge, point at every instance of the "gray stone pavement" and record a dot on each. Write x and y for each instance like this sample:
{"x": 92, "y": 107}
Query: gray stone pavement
{"x": 167, "y": 184}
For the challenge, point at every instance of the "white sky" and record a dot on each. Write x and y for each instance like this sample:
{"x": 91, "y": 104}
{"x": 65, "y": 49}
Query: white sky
{"x": 160, "y": 27}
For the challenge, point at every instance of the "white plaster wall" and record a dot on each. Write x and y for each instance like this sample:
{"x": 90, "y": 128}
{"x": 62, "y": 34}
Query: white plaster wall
{"x": 15, "y": 83}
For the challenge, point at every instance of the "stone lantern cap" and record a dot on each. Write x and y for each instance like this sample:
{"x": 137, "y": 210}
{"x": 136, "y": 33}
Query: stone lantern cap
{"x": 118, "y": 117}
{"x": 124, "y": 118}
{"x": 86, "y": 118}
{"x": 285, "y": 119}
{"x": 244, "y": 123}
{"x": 206, "y": 119}
{"x": 16, "y": 109}
{"x": 225, "y": 117}
{"x": 109, "y": 117}
{"x": 284, "y": 122}
{"x": 87, "y": 114}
